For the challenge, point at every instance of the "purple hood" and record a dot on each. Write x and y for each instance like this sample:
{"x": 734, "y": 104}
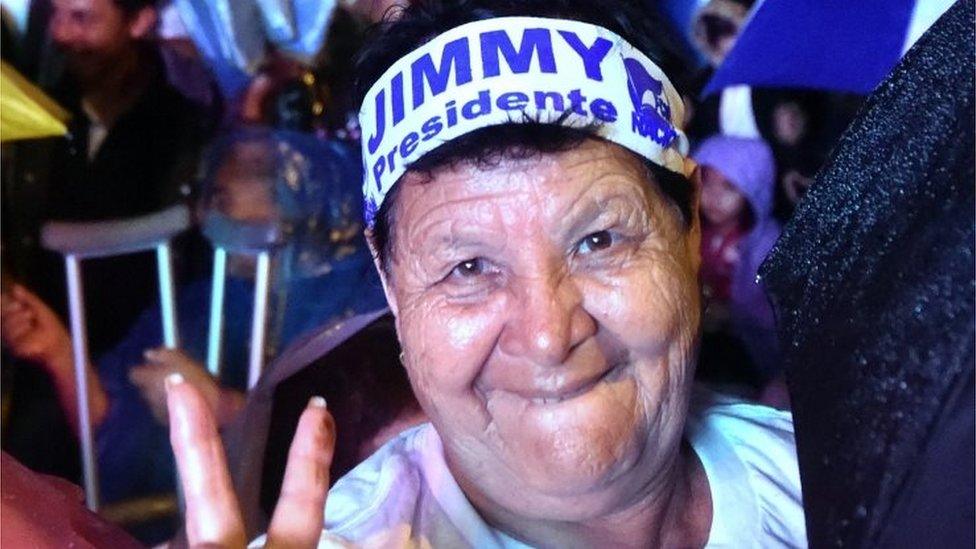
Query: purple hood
{"x": 749, "y": 165}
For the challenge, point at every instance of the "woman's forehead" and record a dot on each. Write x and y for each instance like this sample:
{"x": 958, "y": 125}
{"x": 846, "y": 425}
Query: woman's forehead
{"x": 578, "y": 182}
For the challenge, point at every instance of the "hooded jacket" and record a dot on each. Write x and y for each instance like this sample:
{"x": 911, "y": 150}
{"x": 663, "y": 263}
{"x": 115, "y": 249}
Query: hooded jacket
{"x": 748, "y": 164}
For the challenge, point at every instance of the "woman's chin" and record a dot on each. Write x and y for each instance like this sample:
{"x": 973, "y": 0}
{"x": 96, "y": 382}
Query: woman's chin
{"x": 574, "y": 484}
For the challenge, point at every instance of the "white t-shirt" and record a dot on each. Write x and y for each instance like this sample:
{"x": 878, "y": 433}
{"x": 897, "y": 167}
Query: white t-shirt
{"x": 404, "y": 494}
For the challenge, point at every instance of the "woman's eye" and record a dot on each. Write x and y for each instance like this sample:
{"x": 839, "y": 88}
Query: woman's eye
{"x": 595, "y": 242}
{"x": 469, "y": 268}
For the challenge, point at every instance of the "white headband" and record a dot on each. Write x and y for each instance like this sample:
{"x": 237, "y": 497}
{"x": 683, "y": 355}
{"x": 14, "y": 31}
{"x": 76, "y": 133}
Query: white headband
{"x": 512, "y": 69}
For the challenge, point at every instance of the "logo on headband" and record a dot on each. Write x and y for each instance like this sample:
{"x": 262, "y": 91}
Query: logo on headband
{"x": 652, "y": 114}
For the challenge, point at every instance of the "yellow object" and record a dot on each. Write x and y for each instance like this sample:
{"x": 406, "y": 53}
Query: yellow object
{"x": 25, "y": 111}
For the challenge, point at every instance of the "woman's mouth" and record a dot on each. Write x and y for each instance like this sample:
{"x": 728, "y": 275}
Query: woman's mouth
{"x": 571, "y": 389}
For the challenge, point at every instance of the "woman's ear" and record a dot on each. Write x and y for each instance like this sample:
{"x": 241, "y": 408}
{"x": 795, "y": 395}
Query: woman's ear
{"x": 142, "y": 23}
{"x": 384, "y": 278}
{"x": 693, "y": 172}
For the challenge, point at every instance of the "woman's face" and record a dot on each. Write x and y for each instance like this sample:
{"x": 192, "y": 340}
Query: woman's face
{"x": 548, "y": 310}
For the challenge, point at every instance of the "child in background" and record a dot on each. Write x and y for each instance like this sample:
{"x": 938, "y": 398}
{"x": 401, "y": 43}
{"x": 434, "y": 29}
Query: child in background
{"x": 738, "y": 230}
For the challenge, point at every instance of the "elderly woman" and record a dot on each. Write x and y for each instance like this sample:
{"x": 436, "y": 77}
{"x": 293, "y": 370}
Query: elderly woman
{"x": 532, "y": 216}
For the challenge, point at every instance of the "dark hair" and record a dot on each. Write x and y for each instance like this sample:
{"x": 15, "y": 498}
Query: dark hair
{"x": 423, "y": 20}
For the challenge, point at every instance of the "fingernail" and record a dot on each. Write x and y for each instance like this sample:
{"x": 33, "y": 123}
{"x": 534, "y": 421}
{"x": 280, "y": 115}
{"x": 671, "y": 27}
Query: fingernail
{"x": 173, "y": 380}
{"x": 317, "y": 402}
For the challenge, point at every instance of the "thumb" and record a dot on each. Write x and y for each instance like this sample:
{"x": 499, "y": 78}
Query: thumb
{"x": 27, "y": 297}
{"x": 174, "y": 358}
{"x": 32, "y": 301}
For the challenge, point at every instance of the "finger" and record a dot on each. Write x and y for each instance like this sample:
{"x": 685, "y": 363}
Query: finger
{"x": 170, "y": 357}
{"x": 212, "y": 513}
{"x": 20, "y": 315}
{"x": 28, "y": 298}
{"x": 299, "y": 516}
{"x": 157, "y": 407}
{"x": 17, "y": 328}
{"x": 10, "y": 305}
{"x": 36, "y": 305}
{"x": 150, "y": 385}
{"x": 155, "y": 354}
{"x": 166, "y": 353}
{"x": 149, "y": 381}
{"x": 18, "y": 325}
{"x": 147, "y": 374}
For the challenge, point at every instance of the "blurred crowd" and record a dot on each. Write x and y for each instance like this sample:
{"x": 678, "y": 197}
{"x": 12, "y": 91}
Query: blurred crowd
{"x": 273, "y": 149}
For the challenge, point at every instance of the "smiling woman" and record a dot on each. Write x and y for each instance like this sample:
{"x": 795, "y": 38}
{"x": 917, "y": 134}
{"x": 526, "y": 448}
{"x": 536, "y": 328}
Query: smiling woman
{"x": 529, "y": 303}
{"x": 543, "y": 273}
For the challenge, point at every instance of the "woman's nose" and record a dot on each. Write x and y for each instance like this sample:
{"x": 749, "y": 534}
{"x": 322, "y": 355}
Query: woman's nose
{"x": 548, "y": 320}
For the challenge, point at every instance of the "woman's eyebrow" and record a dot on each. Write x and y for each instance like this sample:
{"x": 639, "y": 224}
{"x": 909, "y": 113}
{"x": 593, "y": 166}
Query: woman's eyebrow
{"x": 588, "y": 211}
{"x": 447, "y": 237}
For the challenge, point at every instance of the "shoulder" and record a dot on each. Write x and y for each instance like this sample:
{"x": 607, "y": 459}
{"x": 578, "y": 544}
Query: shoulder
{"x": 404, "y": 495}
{"x": 761, "y": 436}
{"x": 375, "y": 504}
{"x": 768, "y": 235}
{"x": 741, "y": 420}
{"x": 381, "y": 488}
{"x": 759, "y": 243}
{"x": 748, "y": 451}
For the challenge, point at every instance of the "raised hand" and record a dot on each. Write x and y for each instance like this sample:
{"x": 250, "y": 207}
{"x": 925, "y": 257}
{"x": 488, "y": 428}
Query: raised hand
{"x": 31, "y": 331}
{"x": 161, "y": 363}
{"x": 213, "y": 516}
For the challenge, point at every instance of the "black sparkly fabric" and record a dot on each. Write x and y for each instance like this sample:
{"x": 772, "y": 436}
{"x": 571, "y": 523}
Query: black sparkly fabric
{"x": 873, "y": 283}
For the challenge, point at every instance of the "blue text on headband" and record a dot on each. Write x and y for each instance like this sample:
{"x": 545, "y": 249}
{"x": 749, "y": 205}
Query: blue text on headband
{"x": 510, "y": 69}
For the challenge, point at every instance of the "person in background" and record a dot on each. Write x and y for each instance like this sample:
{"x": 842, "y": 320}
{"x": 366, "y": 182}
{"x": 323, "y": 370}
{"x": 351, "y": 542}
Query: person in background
{"x": 738, "y": 230}
{"x": 716, "y": 26}
{"x": 335, "y": 71}
{"x": 713, "y": 32}
{"x": 801, "y": 126}
{"x": 246, "y": 179}
{"x": 314, "y": 98}
{"x": 132, "y": 148}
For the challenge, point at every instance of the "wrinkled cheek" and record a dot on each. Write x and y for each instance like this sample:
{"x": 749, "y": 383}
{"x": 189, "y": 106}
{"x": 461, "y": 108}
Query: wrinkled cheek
{"x": 445, "y": 349}
{"x": 652, "y": 310}
{"x": 643, "y": 312}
